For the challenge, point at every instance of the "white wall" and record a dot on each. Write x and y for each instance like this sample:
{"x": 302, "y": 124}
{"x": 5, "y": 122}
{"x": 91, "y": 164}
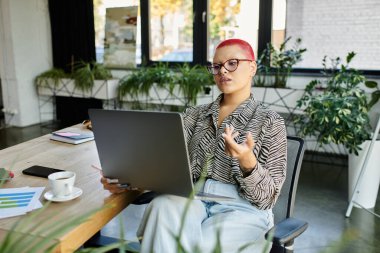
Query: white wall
{"x": 26, "y": 51}
{"x": 334, "y": 28}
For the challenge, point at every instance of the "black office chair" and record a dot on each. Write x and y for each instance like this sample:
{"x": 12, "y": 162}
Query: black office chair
{"x": 286, "y": 228}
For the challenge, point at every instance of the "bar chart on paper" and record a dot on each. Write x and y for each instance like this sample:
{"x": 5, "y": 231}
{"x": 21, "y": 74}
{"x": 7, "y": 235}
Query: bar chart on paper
{"x": 15, "y": 199}
{"x": 18, "y": 201}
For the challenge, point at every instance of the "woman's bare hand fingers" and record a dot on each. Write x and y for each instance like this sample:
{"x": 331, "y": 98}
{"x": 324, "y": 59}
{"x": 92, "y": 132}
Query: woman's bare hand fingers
{"x": 103, "y": 180}
{"x": 250, "y": 141}
{"x": 112, "y": 187}
{"x": 234, "y": 135}
{"x": 230, "y": 144}
{"x": 234, "y": 149}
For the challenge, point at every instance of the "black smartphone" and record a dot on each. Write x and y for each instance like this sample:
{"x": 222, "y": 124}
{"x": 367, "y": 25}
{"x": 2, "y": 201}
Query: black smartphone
{"x": 39, "y": 171}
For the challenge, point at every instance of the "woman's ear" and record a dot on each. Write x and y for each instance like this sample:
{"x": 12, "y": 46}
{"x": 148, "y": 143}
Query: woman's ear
{"x": 253, "y": 68}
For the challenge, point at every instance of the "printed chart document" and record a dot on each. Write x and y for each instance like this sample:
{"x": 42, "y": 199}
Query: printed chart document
{"x": 72, "y": 137}
{"x": 19, "y": 201}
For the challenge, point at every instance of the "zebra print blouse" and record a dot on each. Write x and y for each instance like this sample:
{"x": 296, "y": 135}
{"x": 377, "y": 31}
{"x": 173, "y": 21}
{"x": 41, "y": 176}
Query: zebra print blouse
{"x": 206, "y": 149}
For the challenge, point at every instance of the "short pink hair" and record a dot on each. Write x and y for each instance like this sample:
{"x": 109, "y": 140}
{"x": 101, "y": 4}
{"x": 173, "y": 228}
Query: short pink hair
{"x": 242, "y": 44}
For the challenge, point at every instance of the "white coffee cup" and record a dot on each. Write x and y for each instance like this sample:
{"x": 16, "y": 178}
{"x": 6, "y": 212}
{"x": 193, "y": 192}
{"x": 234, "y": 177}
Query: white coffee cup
{"x": 62, "y": 183}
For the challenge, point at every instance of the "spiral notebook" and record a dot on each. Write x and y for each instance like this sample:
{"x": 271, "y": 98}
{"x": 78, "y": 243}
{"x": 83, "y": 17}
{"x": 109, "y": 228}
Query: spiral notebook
{"x": 71, "y": 137}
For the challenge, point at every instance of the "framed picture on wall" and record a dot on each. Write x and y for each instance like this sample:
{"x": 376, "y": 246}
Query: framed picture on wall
{"x": 120, "y": 37}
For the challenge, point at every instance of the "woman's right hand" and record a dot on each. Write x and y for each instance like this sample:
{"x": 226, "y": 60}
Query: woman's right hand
{"x": 113, "y": 187}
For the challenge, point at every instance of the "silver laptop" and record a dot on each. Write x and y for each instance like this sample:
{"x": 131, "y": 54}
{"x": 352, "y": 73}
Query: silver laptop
{"x": 146, "y": 150}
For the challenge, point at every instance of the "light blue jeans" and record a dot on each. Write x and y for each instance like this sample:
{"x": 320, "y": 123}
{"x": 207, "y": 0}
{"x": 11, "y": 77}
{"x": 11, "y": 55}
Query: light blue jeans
{"x": 236, "y": 221}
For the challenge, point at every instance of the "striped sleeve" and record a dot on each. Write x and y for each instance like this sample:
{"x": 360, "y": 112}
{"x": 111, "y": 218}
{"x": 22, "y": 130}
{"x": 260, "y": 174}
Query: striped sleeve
{"x": 190, "y": 116}
{"x": 262, "y": 187}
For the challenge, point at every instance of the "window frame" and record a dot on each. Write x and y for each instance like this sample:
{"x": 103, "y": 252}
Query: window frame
{"x": 200, "y": 37}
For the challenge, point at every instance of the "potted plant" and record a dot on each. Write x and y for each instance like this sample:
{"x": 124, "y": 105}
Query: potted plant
{"x": 53, "y": 75}
{"x": 93, "y": 80}
{"x": 194, "y": 81}
{"x": 161, "y": 86}
{"x": 336, "y": 109}
{"x": 274, "y": 66}
{"x": 88, "y": 80}
{"x": 147, "y": 86}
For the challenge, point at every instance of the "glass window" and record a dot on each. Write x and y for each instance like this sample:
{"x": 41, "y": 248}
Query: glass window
{"x": 124, "y": 34}
{"x": 278, "y": 22}
{"x": 171, "y": 30}
{"x": 233, "y": 19}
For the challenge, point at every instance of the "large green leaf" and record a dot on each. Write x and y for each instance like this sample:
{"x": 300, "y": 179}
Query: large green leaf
{"x": 371, "y": 84}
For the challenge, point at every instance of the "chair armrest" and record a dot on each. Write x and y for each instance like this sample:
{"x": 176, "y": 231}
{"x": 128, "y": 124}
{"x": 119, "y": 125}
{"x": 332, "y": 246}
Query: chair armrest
{"x": 287, "y": 230}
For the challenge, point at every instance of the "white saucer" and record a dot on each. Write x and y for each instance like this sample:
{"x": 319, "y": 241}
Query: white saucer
{"x": 75, "y": 194}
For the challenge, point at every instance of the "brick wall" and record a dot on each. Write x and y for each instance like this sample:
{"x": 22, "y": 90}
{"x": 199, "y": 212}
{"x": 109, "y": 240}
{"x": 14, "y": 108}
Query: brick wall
{"x": 334, "y": 28}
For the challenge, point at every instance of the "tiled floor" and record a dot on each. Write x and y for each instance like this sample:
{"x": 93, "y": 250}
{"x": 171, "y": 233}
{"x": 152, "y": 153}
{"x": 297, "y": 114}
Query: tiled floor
{"x": 321, "y": 200}
{"x": 13, "y": 135}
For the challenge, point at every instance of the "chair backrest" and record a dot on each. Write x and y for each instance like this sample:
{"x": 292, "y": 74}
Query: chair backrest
{"x": 285, "y": 203}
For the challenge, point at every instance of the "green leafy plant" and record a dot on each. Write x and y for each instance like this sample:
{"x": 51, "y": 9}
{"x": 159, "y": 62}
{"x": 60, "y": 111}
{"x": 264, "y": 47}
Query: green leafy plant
{"x": 85, "y": 73}
{"x": 336, "y": 110}
{"x": 142, "y": 80}
{"x": 278, "y": 62}
{"x": 17, "y": 241}
{"x": 263, "y": 68}
{"x": 375, "y": 96}
{"x": 159, "y": 74}
{"x": 54, "y": 74}
{"x": 190, "y": 80}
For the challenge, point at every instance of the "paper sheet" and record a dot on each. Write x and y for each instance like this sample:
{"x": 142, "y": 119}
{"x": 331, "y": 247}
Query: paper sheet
{"x": 19, "y": 201}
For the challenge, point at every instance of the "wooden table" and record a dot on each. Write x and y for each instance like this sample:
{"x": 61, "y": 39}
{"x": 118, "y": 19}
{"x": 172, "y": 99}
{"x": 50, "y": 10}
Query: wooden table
{"x": 78, "y": 158}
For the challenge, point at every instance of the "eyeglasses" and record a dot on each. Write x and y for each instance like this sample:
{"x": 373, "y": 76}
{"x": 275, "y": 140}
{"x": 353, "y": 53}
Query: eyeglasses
{"x": 231, "y": 65}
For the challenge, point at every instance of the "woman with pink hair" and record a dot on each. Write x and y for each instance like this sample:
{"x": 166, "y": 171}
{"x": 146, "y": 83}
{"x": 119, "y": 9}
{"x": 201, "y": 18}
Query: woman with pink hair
{"x": 239, "y": 147}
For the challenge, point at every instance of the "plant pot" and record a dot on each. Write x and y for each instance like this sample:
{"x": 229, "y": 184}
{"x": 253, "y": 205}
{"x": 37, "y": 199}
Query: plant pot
{"x": 281, "y": 100}
{"x": 64, "y": 87}
{"x": 371, "y": 178}
{"x": 103, "y": 89}
{"x": 161, "y": 96}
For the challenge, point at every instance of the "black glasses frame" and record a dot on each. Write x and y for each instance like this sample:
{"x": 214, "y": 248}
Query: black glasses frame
{"x": 215, "y": 68}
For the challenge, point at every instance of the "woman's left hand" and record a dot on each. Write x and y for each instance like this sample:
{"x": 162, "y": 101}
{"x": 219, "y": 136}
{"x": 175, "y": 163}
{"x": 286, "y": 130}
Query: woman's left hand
{"x": 243, "y": 152}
